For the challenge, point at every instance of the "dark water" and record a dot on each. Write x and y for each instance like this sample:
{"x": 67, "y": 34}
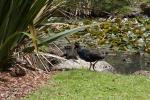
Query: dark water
{"x": 127, "y": 63}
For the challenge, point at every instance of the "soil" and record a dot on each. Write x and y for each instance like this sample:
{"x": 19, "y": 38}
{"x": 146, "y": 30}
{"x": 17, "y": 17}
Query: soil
{"x": 13, "y": 88}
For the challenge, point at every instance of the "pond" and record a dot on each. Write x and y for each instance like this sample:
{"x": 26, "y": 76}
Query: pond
{"x": 129, "y": 62}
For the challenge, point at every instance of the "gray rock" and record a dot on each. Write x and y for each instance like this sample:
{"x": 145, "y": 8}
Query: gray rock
{"x": 101, "y": 66}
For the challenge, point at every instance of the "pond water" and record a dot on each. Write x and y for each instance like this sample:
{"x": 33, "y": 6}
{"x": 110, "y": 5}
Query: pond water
{"x": 127, "y": 63}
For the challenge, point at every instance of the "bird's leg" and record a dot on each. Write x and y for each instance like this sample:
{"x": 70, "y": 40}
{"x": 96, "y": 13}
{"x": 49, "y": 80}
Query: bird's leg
{"x": 90, "y": 65}
{"x": 94, "y": 65}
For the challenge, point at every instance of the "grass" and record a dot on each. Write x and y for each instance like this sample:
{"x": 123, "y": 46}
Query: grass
{"x": 88, "y": 85}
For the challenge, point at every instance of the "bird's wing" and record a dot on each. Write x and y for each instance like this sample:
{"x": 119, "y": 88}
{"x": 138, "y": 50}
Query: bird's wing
{"x": 96, "y": 54}
{"x": 85, "y": 53}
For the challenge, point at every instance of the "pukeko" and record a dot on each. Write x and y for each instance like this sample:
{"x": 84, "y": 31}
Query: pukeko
{"x": 89, "y": 55}
{"x": 69, "y": 52}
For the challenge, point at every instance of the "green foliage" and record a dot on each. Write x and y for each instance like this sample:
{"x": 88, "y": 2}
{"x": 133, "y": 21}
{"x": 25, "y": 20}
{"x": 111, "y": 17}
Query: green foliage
{"x": 15, "y": 16}
{"x": 125, "y": 34}
{"x": 122, "y": 34}
{"x": 88, "y": 85}
{"x": 124, "y": 10}
{"x": 117, "y": 33}
{"x": 96, "y": 6}
{"x": 63, "y": 34}
{"x": 147, "y": 1}
{"x": 110, "y": 5}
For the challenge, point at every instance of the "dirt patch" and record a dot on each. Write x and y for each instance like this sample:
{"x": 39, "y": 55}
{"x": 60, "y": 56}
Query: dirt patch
{"x": 13, "y": 88}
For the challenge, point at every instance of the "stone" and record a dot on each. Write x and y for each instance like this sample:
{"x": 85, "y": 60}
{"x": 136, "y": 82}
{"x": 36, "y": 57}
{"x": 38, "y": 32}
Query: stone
{"x": 101, "y": 66}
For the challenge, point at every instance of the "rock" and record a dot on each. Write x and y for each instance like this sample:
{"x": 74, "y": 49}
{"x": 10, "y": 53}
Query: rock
{"x": 101, "y": 66}
{"x": 142, "y": 72}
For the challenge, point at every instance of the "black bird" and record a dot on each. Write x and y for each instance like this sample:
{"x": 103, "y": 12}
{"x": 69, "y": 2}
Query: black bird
{"x": 69, "y": 52}
{"x": 89, "y": 55}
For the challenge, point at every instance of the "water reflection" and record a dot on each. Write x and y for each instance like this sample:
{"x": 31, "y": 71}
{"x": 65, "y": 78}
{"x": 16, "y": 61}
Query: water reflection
{"x": 127, "y": 63}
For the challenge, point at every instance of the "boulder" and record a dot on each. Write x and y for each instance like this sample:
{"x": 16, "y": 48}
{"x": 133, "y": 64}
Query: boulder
{"x": 101, "y": 66}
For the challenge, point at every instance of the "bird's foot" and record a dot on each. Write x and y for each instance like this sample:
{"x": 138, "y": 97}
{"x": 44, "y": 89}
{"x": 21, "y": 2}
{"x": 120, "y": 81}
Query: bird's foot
{"x": 90, "y": 66}
{"x": 94, "y": 68}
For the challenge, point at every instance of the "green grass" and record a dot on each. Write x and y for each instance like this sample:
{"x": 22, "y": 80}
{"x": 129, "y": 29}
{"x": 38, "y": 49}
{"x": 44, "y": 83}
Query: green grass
{"x": 88, "y": 85}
